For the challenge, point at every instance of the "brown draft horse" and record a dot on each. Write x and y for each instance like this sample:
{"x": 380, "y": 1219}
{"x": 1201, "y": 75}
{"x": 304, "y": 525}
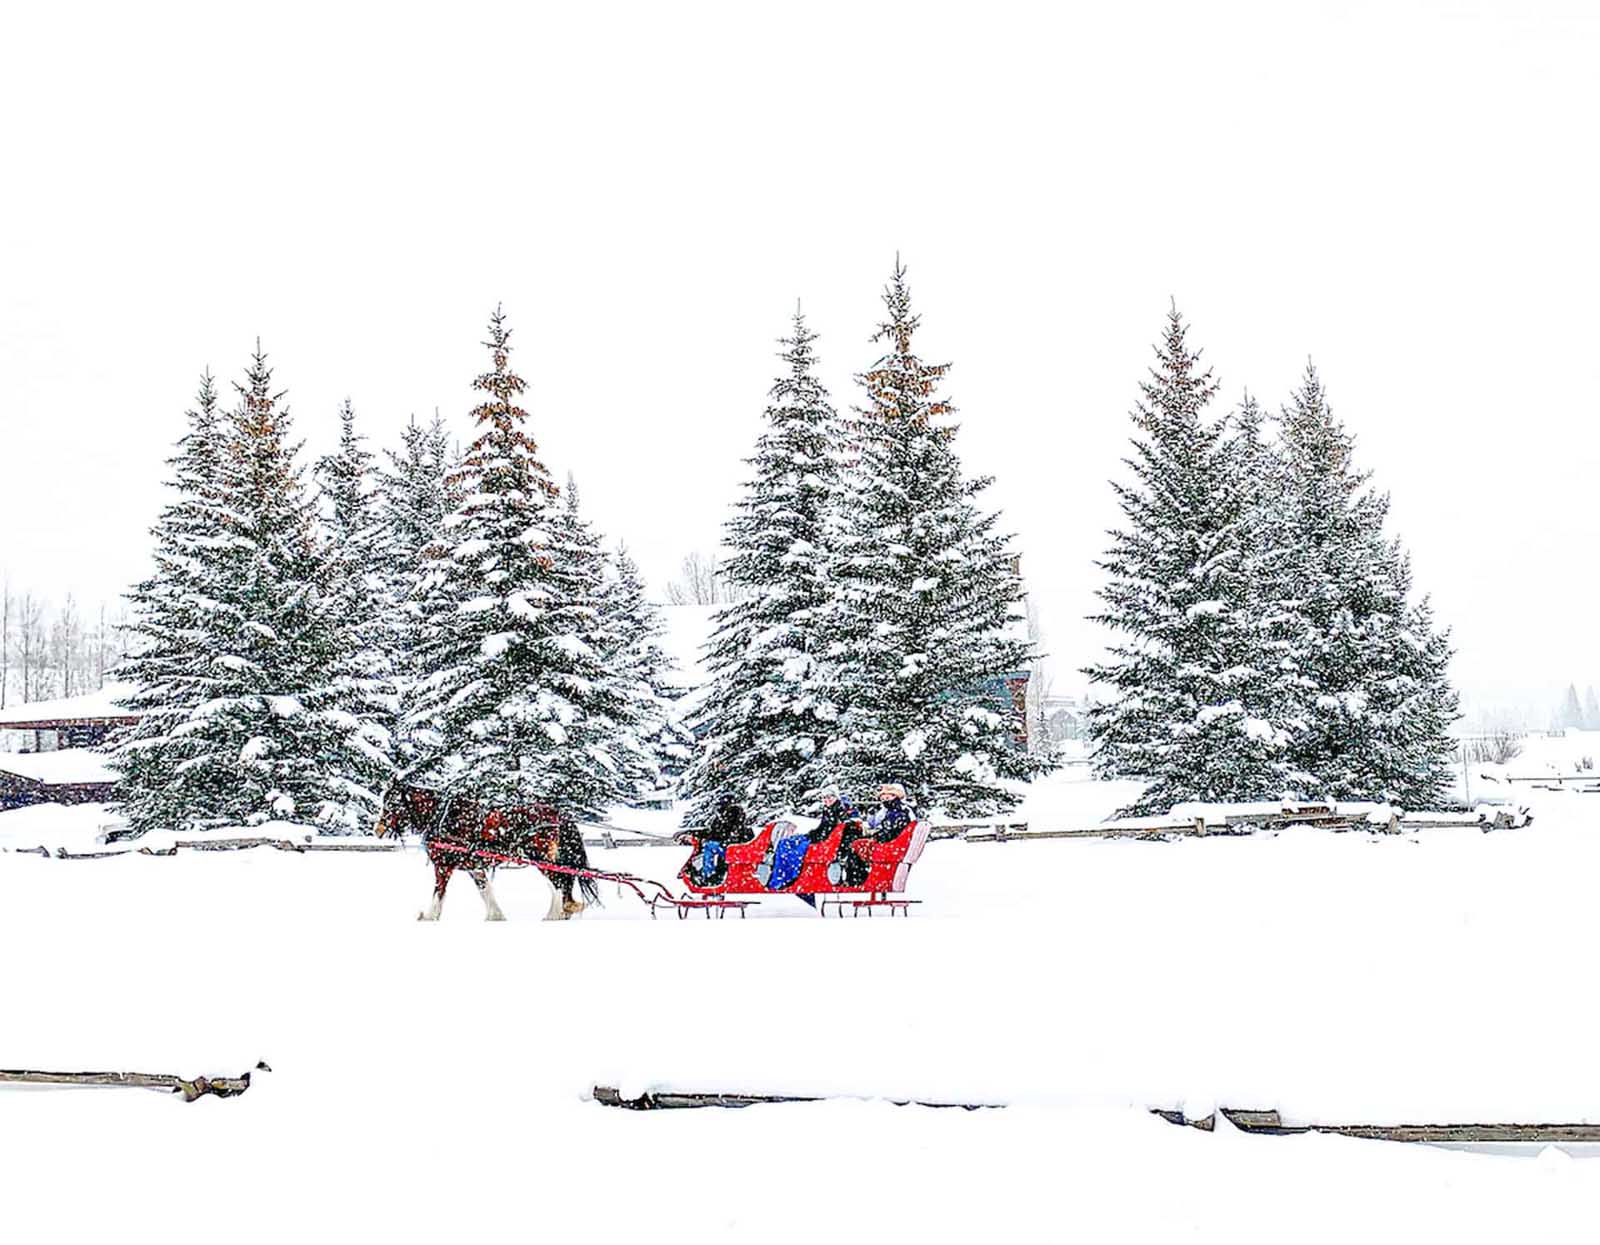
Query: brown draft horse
{"x": 535, "y": 832}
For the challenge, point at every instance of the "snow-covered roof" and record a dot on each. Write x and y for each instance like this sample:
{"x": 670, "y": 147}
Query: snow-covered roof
{"x": 101, "y": 704}
{"x": 64, "y": 766}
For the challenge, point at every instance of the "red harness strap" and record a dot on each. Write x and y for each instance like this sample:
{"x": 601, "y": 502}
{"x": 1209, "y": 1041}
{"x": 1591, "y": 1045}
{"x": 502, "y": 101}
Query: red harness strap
{"x": 621, "y": 879}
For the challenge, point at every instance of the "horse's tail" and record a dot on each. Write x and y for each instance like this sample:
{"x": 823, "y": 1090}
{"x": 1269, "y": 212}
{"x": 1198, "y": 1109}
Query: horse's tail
{"x": 573, "y": 854}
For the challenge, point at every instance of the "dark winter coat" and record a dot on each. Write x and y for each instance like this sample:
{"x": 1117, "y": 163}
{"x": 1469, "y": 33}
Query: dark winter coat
{"x": 729, "y": 824}
{"x": 829, "y": 816}
{"x": 889, "y": 821}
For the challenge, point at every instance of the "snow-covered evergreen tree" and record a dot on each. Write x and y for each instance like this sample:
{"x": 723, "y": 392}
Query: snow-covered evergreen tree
{"x": 770, "y": 711}
{"x": 1270, "y": 620}
{"x": 1591, "y": 710}
{"x": 365, "y": 686}
{"x": 252, "y": 729}
{"x": 1416, "y": 702}
{"x": 413, "y": 503}
{"x": 926, "y": 621}
{"x": 411, "y": 490}
{"x": 1571, "y": 717}
{"x": 1191, "y": 702}
{"x": 515, "y": 700}
{"x": 658, "y": 745}
{"x": 1375, "y": 698}
{"x": 628, "y": 769}
{"x": 178, "y": 623}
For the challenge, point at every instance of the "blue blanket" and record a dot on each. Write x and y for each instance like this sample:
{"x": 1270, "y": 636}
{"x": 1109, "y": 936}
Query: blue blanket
{"x": 787, "y": 859}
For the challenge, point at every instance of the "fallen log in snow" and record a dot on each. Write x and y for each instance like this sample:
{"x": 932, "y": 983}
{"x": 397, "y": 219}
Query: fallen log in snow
{"x": 1265, "y": 1123}
{"x": 1270, "y": 1123}
{"x": 199, "y": 1087}
{"x": 669, "y": 1100}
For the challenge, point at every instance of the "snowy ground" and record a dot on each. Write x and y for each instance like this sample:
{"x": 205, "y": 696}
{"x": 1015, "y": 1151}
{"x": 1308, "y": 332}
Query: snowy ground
{"x": 429, "y": 1080}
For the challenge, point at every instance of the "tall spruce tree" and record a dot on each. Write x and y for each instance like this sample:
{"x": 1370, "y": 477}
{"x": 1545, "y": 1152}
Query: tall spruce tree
{"x": 1191, "y": 703}
{"x": 1375, "y": 700}
{"x": 515, "y": 700}
{"x": 365, "y": 685}
{"x": 926, "y": 623}
{"x": 178, "y": 621}
{"x": 770, "y": 712}
{"x": 267, "y": 739}
{"x": 1416, "y": 702}
{"x": 413, "y": 504}
{"x": 624, "y": 767}
{"x": 411, "y": 491}
{"x": 1271, "y": 622}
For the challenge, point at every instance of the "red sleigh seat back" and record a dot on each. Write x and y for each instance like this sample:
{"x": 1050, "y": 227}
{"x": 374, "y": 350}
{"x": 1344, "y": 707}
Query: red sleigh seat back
{"x": 742, "y": 860}
{"x": 919, "y": 840}
{"x": 754, "y": 850}
{"x": 813, "y": 879}
{"x": 887, "y": 859}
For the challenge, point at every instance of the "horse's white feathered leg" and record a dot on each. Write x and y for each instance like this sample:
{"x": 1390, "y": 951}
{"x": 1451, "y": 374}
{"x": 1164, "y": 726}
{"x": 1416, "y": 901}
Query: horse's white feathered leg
{"x": 491, "y": 908}
{"x": 440, "y": 881}
{"x": 555, "y": 912}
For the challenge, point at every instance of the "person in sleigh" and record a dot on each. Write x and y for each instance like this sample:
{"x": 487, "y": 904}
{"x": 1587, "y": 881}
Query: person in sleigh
{"x": 789, "y": 853}
{"x": 728, "y": 824}
{"x": 884, "y": 826}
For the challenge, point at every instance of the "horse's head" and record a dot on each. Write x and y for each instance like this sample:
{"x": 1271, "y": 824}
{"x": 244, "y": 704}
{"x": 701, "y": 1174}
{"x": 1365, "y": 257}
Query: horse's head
{"x": 403, "y": 810}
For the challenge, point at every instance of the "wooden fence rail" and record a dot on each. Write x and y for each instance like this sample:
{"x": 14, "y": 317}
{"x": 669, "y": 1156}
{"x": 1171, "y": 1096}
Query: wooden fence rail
{"x": 1313, "y": 816}
{"x": 1250, "y": 823}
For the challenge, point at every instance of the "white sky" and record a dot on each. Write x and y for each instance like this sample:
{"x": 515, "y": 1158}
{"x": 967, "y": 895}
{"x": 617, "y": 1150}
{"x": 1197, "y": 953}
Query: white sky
{"x": 1405, "y": 191}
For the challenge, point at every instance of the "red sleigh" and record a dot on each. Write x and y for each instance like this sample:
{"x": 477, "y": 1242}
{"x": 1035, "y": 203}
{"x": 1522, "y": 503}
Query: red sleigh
{"x": 888, "y": 867}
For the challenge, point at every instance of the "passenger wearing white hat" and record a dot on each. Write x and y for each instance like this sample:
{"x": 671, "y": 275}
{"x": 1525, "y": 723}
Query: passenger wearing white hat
{"x": 893, "y": 816}
{"x": 883, "y": 826}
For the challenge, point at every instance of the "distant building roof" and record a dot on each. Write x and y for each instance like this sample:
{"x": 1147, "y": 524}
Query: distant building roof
{"x": 98, "y": 706}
